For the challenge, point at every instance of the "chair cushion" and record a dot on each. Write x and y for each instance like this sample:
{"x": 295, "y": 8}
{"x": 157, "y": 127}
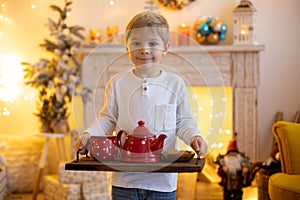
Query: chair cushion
{"x": 284, "y": 186}
{"x": 287, "y": 135}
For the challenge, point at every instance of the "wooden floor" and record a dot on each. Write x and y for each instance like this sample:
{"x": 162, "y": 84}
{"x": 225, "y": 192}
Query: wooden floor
{"x": 213, "y": 191}
{"x": 204, "y": 191}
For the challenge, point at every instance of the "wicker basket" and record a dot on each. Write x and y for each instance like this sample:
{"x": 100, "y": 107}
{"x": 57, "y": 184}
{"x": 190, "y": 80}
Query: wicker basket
{"x": 262, "y": 179}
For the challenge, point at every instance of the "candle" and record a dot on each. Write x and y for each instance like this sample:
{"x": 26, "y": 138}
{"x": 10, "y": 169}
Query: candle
{"x": 95, "y": 36}
{"x": 184, "y": 34}
{"x": 172, "y": 38}
{"x": 111, "y": 32}
{"x": 243, "y": 33}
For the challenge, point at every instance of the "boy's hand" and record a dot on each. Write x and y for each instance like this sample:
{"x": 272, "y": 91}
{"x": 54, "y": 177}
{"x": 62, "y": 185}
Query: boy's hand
{"x": 81, "y": 143}
{"x": 199, "y": 145}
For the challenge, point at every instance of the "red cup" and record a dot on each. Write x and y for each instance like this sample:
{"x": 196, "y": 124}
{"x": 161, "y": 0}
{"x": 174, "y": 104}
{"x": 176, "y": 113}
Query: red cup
{"x": 104, "y": 147}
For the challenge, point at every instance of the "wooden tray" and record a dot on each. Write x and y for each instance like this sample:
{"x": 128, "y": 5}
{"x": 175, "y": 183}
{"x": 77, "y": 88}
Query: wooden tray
{"x": 89, "y": 164}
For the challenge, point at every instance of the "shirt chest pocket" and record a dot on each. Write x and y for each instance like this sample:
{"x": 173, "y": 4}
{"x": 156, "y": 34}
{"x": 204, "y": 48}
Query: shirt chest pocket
{"x": 165, "y": 117}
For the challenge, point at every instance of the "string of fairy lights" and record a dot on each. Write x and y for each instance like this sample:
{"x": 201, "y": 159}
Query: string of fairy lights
{"x": 3, "y": 18}
{"x": 11, "y": 73}
{"x": 6, "y": 94}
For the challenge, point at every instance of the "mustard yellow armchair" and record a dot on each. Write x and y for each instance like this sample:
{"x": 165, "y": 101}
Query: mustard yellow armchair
{"x": 286, "y": 185}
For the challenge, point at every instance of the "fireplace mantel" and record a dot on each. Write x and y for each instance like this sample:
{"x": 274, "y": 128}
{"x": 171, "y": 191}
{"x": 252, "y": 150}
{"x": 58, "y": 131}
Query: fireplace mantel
{"x": 213, "y": 65}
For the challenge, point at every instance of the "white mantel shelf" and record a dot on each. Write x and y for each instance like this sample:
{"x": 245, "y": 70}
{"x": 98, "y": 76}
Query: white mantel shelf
{"x": 208, "y": 65}
{"x": 107, "y": 48}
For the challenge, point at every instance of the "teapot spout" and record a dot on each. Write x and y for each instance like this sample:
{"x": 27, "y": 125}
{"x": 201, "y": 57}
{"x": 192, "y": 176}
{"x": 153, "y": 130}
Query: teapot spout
{"x": 158, "y": 144}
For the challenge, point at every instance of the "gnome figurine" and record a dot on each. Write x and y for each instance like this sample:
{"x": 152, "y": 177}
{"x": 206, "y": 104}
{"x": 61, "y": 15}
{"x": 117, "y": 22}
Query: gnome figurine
{"x": 234, "y": 170}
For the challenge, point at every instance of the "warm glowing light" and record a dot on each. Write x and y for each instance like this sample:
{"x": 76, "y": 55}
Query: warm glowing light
{"x": 111, "y": 2}
{"x": 194, "y": 97}
{"x": 184, "y": 29}
{"x": 5, "y": 112}
{"x": 214, "y": 108}
{"x": 183, "y": 25}
{"x": 10, "y": 77}
{"x": 26, "y": 97}
{"x": 3, "y": 5}
{"x": 244, "y": 30}
{"x": 3, "y": 18}
{"x": 33, "y": 6}
{"x": 220, "y": 145}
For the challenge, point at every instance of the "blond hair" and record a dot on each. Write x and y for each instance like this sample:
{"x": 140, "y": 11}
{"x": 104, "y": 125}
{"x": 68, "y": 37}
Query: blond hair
{"x": 151, "y": 20}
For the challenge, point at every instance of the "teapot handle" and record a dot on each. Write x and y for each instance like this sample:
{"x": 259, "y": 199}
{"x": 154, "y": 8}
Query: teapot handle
{"x": 120, "y": 138}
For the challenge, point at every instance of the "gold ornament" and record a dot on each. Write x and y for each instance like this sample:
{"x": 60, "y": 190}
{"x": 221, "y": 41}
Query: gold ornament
{"x": 198, "y": 22}
{"x": 200, "y": 38}
{"x": 213, "y": 38}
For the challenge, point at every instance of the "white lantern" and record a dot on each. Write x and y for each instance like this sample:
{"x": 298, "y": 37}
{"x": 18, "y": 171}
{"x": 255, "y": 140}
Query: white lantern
{"x": 244, "y": 24}
{"x": 150, "y": 5}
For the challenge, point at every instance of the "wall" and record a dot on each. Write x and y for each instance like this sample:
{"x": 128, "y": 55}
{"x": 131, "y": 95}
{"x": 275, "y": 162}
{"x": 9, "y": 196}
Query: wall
{"x": 278, "y": 28}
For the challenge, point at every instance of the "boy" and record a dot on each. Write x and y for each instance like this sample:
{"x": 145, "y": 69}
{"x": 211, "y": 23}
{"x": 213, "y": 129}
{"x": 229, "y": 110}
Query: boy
{"x": 146, "y": 93}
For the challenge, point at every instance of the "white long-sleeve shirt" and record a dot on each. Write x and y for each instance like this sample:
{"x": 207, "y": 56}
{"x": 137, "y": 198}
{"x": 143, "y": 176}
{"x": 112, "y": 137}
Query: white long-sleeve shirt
{"x": 162, "y": 103}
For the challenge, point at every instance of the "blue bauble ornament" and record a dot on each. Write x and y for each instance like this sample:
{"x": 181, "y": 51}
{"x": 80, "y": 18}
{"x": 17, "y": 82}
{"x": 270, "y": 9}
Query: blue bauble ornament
{"x": 222, "y": 36}
{"x": 209, "y": 20}
{"x": 223, "y": 28}
{"x": 204, "y": 29}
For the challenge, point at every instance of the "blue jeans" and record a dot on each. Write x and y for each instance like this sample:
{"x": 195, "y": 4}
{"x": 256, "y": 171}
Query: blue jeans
{"x": 119, "y": 193}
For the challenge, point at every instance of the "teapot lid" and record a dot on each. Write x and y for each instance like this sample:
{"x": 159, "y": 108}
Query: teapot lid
{"x": 141, "y": 129}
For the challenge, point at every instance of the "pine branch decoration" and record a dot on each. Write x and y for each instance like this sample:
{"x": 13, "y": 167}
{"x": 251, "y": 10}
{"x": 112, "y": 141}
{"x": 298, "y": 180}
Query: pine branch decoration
{"x": 57, "y": 79}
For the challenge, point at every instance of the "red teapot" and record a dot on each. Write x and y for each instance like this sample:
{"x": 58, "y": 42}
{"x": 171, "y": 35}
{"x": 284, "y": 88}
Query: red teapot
{"x": 140, "y": 145}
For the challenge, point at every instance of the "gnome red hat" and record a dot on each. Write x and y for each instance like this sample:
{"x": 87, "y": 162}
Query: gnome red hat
{"x": 232, "y": 147}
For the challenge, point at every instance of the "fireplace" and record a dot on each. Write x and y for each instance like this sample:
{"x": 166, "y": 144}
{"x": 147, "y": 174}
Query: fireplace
{"x": 236, "y": 67}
